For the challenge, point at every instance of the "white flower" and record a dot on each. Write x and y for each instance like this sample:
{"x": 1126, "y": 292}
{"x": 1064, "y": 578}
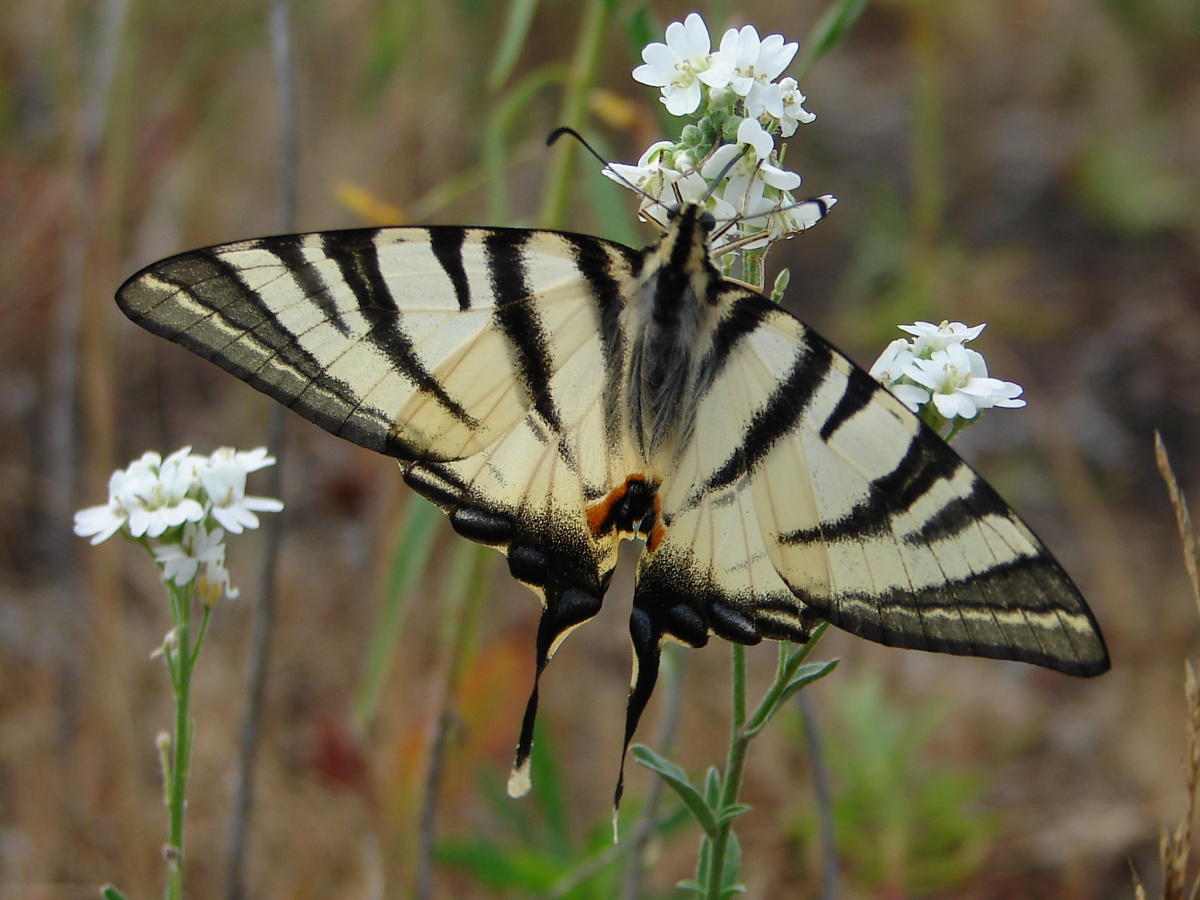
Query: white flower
{"x": 156, "y": 494}
{"x": 218, "y": 582}
{"x": 894, "y": 364}
{"x": 181, "y": 561}
{"x": 660, "y": 182}
{"x": 750, "y": 65}
{"x": 224, "y": 480}
{"x": 148, "y": 497}
{"x": 793, "y": 107}
{"x": 751, "y": 166}
{"x": 650, "y": 174}
{"x": 679, "y": 65}
{"x": 102, "y": 522}
{"x": 930, "y": 337}
{"x": 958, "y": 379}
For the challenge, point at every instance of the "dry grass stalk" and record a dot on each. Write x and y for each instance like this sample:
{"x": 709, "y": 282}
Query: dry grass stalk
{"x": 1175, "y": 845}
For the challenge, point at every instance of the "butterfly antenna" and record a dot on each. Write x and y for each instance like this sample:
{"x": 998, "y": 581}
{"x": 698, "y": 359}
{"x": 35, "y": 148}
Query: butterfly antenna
{"x": 740, "y": 216}
{"x": 725, "y": 170}
{"x": 563, "y": 129}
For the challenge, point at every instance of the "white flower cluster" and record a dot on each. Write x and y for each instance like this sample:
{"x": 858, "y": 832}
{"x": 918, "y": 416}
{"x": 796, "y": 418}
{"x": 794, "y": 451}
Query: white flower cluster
{"x": 185, "y": 503}
{"x": 937, "y": 367}
{"x": 739, "y": 109}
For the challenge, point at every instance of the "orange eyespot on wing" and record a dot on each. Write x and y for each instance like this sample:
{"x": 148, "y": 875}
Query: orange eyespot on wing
{"x": 631, "y": 508}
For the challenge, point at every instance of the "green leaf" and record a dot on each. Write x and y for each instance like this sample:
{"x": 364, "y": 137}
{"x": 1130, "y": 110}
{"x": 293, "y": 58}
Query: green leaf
{"x": 108, "y": 892}
{"x": 793, "y": 677}
{"x": 690, "y": 884}
{"x": 805, "y": 676}
{"x": 729, "y": 813}
{"x": 501, "y": 868}
{"x": 678, "y": 781}
{"x": 835, "y": 23}
{"x": 733, "y": 868}
{"x": 712, "y": 787}
{"x": 704, "y": 860}
{"x": 409, "y": 559}
{"x": 516, "y": 29}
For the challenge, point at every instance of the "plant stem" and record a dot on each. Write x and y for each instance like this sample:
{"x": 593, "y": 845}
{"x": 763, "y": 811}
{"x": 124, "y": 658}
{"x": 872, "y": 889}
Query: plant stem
{"x": 754, "y": 268}
{"x": 580, "y": 78}
{"x": 731, "y": 785}
{"x": 182, "y": 659}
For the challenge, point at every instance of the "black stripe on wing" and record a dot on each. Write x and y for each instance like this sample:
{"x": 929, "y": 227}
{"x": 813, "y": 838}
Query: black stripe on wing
{"x": 282, "y": 368}
{"x": 518, "y": 320}
{"x": 924, "y": 464}
{"x": 1025, "y": 610}
{"x": 446, "y": 242}
{"x": 781, "y": 413}
{"x": 595, "y": 266}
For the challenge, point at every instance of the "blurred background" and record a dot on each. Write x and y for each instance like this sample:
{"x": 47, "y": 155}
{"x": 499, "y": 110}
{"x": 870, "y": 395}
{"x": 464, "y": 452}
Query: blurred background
{"x": 1034, "y": 165}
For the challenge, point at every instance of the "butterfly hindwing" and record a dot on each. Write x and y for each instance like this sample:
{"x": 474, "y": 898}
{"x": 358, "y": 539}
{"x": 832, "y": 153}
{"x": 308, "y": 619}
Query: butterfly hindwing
{"x": 870, "y": 519}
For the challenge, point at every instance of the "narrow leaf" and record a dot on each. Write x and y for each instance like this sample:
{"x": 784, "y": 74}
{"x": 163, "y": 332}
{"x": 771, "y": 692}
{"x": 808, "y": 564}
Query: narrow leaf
{"x": 834, "y": 24}
{"x": 678, "y": 781}
{"x": 733, "y": 868}
{"x": 108, "y": 892}
{"x": 409, "y": 559}
{"x": 806, "y": 676}
{"x": 729, "y": 813}
{"x": 803, "y": 651}
{"x": 516, "y": 28}
{"x": 712, "y": 787}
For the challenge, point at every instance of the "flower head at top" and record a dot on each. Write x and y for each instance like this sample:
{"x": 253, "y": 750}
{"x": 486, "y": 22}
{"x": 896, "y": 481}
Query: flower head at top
{"x": 148, "y": 497}
{"x": 180, "y": 508}
{"x": 750, "y": 66}
{"x": 224, "y": 480}
{"x": 958, "y": 380}
{"x": 930, "y": 337}
{"x": 937, "y": 369}
{"x": 678, "y": 66}
{"x": 727, "y": 157}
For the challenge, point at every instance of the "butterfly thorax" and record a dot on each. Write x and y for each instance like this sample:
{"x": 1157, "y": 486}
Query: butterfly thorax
{"x": 670, "y": 311}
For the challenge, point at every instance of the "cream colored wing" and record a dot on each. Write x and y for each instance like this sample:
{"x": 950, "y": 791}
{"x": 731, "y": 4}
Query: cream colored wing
{"x": 487, "y": 360}
{"x": 421, "y": 343}
{"x": 871, "y": 520}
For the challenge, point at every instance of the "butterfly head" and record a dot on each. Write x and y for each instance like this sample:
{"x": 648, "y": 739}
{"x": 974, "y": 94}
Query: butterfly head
{"x": 686, "y": 242}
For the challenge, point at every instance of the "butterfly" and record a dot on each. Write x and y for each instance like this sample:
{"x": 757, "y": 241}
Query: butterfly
{"x": 554, "y": 393}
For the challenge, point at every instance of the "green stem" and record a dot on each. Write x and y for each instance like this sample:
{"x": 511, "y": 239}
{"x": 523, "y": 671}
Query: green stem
{"x": 735, "y": 763}
{"x": 754, "y": 268}
{"x": 580, "y": 79}
{"x": 181, "y": 658}
{"x": 789, "y": 662}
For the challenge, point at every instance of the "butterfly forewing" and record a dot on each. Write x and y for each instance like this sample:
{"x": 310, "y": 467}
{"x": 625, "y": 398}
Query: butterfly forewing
{"x": 377, "y": 335}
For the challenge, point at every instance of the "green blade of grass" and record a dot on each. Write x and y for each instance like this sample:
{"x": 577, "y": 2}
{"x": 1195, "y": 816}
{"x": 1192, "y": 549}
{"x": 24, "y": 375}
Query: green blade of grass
{"x": 516, "y": 29}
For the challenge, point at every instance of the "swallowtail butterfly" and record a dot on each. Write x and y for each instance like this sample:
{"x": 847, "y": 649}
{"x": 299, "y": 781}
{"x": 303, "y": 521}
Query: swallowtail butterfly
{"x": 554, "y": 393}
